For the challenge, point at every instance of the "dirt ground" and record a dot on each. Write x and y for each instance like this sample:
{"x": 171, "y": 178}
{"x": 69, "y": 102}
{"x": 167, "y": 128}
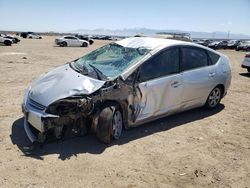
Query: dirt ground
{"x": 197, "y": 148}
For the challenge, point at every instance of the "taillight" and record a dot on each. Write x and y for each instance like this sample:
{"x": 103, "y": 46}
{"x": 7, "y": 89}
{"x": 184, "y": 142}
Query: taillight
{"x": 248, "y": 55}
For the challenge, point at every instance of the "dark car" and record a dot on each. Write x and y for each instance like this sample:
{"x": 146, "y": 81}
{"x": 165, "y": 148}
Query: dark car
{"x": 232, "y": 44}
{"x": 85, "y": 37}
{"x": 244, "y": 45}
{"x": 24, "y": 34}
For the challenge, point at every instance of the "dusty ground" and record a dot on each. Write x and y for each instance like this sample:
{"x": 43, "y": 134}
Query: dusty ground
{"x": 197, "y": 148}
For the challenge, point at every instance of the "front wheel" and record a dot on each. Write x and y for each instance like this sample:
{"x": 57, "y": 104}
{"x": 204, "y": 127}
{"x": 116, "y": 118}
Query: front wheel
{"x": 7, "y": 43}
{"x": 110, "y": 124}
{"x": 214, "y": 98}
{"x": 248, "y": 69}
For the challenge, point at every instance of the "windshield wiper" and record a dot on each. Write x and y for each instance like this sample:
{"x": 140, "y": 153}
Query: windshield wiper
{"x": 99, "y": 73}
{"x": 82, "y": 70}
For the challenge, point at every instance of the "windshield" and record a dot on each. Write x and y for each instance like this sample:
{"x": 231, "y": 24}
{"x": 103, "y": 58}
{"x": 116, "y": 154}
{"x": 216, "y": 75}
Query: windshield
{"x": 111, "y": 60}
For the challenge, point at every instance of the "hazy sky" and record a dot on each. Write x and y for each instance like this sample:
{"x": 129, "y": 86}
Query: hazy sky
{"x": 68, "y": 15}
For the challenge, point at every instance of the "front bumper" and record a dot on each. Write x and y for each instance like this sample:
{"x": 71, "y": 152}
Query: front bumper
{"x": 34, "y": 119}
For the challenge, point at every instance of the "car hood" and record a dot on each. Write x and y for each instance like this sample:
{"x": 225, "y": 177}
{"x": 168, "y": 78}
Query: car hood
{"x": 60, "y": 83}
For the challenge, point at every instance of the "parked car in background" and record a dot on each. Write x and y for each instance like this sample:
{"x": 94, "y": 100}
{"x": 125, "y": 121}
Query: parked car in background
{"x": 218, "y": 45}
{"x": 243, "y": 45}
{"x": 232, "y": 44}
{"x": 204, "y": 42}
{"x": 14, "y": 39}
{"x": 124, "y": 84}
{"x": 246, "y": 62}
{"x": 6, "y": 41}
{"x": 71, "y": 41}
{"x": 24, "y": 34}
{"x": 34, "y": 36}
{"x": 85, "y": 37}
{"x": 207, "y": 42}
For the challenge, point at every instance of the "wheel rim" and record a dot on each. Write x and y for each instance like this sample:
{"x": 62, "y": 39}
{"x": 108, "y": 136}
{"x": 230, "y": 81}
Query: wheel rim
{"x": 214, "y": 97}
{"x": 117, "y": 125}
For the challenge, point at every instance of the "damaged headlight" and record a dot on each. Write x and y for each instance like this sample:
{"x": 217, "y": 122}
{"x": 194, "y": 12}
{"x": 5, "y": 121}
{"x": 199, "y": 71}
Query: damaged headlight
{"x": 70, "y": 106}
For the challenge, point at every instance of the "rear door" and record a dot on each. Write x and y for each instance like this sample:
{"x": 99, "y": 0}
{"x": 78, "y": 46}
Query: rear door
{"x": 160, "y": 84}
{"x": 198, "y": 76}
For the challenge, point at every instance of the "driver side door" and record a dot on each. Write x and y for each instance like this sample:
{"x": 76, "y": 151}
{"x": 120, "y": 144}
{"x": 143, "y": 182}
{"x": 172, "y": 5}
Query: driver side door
{"x": 160, "y": 84}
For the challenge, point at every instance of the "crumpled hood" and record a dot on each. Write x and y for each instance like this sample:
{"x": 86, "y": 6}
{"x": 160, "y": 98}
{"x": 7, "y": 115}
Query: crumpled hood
{"x": 60, "y": 83}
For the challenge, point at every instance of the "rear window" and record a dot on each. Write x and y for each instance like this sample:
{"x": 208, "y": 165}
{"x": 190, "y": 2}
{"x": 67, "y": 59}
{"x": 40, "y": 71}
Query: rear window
{"x": 213, "y": 57}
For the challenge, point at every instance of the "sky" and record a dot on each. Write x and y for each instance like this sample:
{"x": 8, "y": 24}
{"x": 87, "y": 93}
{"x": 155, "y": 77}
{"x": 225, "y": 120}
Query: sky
{"x": 69, "y": 15}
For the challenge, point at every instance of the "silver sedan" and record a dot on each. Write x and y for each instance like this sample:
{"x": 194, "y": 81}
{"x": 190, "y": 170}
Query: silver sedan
{"x": 124, "y": 84}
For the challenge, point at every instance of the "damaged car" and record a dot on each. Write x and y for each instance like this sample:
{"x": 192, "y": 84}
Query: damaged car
{"x": 124, "y": 84}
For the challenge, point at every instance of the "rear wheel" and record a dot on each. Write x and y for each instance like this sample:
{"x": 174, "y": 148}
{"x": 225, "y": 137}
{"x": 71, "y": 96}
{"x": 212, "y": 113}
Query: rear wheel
{"x": 214, "y": 98}
{"x": 63, "y": 44}
{"x": 91, "y": 41}
{"x": 84, "y": 44}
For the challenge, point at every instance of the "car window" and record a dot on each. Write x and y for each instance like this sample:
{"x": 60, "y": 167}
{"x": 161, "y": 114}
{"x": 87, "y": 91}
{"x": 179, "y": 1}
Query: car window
{"x": 163, "y": 64}
{"x": 213, "y": 57}
{"x": 193, "y": 58}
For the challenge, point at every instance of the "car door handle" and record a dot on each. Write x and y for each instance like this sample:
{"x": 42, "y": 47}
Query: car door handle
{"x": 211, "y": 74}
{"x": 175, "y": 84}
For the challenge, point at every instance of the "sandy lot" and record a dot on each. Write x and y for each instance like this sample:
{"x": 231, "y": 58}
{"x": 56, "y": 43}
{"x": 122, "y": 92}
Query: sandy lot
{"x": 197, "y": 148}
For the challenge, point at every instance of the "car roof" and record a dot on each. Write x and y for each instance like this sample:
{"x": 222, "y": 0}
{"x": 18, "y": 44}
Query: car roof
{"x": 149, "y": 42}
{"x": 155, "y": 45}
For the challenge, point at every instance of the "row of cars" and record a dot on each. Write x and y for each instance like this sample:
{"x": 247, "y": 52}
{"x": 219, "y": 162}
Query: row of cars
{"x": 224, "y": 44}
{"x": 8, "y": 40}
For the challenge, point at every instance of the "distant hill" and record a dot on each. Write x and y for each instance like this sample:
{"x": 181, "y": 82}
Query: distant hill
{"x": 150, "y": 32}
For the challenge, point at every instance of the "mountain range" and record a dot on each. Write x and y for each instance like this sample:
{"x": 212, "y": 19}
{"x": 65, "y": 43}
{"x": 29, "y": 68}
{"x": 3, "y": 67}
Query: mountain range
{"x": 150, "y": 32}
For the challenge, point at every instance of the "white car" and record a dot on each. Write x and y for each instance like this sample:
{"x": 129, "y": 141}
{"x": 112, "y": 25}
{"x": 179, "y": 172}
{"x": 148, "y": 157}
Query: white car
{"x": 6, "y": 41}
{"x": 71, "y": 41}
{"x": 246, "y": 62}
{"x": 33, "y": 36}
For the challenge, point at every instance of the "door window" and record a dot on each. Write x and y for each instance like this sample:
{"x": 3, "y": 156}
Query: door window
{"x": 193, "y": 58}
{"x": 162, "y": 64}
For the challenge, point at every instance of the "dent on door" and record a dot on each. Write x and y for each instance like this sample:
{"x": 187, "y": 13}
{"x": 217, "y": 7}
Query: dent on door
{"x": 158, "y": 97}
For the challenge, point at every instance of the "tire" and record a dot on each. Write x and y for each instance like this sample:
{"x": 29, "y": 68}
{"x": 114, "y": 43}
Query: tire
{"x": 248, "y": 69}
{"x": 30, "y": 37}
{"x": 63, "y": 44}
{"x": 214, "y": 98}
{"x": 110, "y": 124}
{"x": 7, "y": 43}
{"x": 91, "y": 41}
{"x": 84, "y": 44}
